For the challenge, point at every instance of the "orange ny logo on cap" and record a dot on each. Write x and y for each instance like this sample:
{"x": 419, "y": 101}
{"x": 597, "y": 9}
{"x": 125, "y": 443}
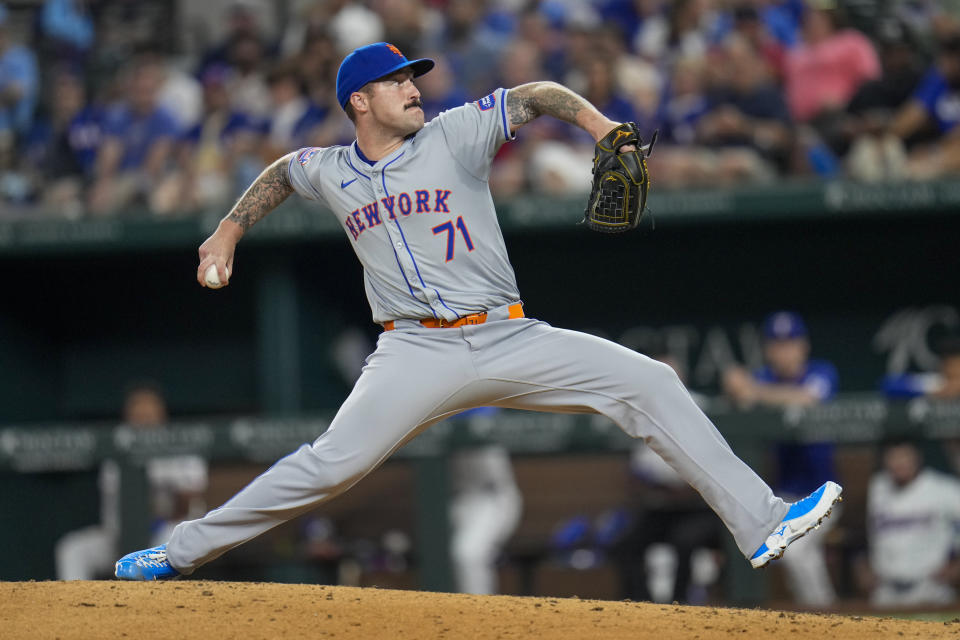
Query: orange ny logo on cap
{"x": 395, "y": 50}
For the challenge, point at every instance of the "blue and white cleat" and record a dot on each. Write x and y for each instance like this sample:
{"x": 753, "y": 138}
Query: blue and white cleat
{"x": 804, "y": 515}
{"x": 149, "y": 564}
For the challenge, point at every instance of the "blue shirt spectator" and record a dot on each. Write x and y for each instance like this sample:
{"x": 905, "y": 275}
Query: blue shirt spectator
{"x": 790, "y": 378}
{"x": 235, "y": 123}
{"x": 783, "y": 20}
{"x": 803, "y": 466}
{"x": 19, "y": 82}
{"x": 683, "y": 105}
{"x": 66, "y": 22}
{"x": 939, "y": 99}
{"x": 68, "y": 151}
{"x": 623, "y": 14}
{"x": 818, "y": 376}
{"x": 293, "y": 115}
{"x": 138, "y": 132}
{"x": 434, "y": 106}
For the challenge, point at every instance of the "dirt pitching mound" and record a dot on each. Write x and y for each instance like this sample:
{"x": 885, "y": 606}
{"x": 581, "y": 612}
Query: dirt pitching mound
{"x": 213, "y": 610}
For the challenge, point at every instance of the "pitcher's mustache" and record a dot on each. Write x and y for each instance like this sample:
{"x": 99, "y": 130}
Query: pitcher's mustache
{"x": 414, "y": 103}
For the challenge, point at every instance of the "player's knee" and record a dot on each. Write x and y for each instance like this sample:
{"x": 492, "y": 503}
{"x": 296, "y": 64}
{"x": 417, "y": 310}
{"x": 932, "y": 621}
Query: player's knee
{"x": 657, "y": 378}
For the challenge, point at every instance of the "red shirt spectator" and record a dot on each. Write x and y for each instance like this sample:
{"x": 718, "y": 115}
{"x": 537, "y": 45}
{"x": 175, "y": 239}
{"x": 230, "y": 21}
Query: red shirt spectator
{"x": 829, "y": 66}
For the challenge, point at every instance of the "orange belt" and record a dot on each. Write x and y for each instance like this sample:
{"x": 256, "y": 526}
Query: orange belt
{"x": 514, "y": 311}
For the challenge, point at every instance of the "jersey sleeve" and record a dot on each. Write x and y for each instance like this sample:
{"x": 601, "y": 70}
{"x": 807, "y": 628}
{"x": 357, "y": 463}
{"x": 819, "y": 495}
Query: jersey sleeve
{"x": 475, "y": 131}
{"x": 306, "y": 167}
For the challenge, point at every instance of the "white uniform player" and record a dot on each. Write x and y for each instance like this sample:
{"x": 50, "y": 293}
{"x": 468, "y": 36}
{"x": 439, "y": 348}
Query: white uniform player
{"x": 413, "y": 201}
{"x": 485, "y": 510}
{"x": 913, "y": 525}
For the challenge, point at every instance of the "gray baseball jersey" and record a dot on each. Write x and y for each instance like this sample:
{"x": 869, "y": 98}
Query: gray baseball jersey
{"x": 423, "y": 224}
{"x": 422, "y": 219}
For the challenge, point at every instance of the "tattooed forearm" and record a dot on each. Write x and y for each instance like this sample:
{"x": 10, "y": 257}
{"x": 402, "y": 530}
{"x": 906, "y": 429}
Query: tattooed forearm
{"x": 265, "y": 194}
{"x": 529, "y": 101}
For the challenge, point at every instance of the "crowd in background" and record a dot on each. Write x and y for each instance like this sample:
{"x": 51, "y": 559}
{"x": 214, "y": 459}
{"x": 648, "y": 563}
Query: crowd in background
{"x": 116, "y": 107}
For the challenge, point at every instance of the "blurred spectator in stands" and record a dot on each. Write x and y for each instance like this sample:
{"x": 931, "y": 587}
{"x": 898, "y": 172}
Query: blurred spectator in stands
{"x": 683, "y": 104}
{"x": 293, "y": 115}
{"x": 243, "y": 21}
{"x": 579, "y": 49}
{"x": 930, "y": 20}
{"x": 216, "y": 158}
{"x": 470, "y": 47}
{"x": 138, "y": 139}
{"x": 824, "y": 71}
{"x": 19, "y": 85}
{"x": 670, "y": 525}
{"x": 61, "y": 149}
{"x": 747, "y": 112}
{"x": 178, "y": 93}
{"x": 872, "y": 152}
{"x": 747, "y": 23}
{"x": 642, "y": 84}
{"x": 680, "y": 30}
{"x": 440, "y": 89}
{"x": 353, "y": 25}
{"x": 605, "y": 94}
{"x": 67, "y": 29}
{"x": 934, "y": 108}
{"x": 543, "y": 24}
{"x": 317, "y": 60}
{"x": 782, "y": 18}
{"x": 124, "y": 27}
{"x": 249, "y": 93}
{"x": 628, "y": 15}
{"x": 176, "y": 487}
{"x": 821, "y": 75}
{"x": 317, "y": 65}
{"x": 408, "y": 24}
{"x": 685, "y": 101}
{"x": 791, "y": 378}
{"x": 913, "y": 516}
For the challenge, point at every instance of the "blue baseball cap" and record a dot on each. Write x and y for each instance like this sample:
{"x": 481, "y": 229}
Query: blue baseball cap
{"x": 784, "y": 325}
{"x": 370, "y": 62}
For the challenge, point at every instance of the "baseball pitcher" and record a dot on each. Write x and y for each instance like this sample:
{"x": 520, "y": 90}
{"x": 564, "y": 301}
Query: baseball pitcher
{"x": 414, "y": 203}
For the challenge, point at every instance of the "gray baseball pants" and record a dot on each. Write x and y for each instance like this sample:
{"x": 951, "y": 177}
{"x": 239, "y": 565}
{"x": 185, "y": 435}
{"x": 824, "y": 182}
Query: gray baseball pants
{"x": 419, "y": 376}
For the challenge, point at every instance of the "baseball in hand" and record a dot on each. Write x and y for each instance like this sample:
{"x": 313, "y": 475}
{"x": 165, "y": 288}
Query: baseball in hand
{"x": 212, "y": 278}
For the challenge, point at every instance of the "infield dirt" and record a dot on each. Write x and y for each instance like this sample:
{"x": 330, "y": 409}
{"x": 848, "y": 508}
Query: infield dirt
{"x": 214, "y": 610}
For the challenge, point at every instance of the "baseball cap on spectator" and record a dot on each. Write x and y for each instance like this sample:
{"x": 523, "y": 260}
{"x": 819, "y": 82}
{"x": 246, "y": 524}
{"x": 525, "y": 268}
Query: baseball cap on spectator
{"x": 373, "y": 61}
{"x": 784, "y": 325}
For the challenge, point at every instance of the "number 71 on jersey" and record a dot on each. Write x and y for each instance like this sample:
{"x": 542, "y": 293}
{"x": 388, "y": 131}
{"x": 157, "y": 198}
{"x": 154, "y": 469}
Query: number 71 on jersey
{"x": 451, "y": 232}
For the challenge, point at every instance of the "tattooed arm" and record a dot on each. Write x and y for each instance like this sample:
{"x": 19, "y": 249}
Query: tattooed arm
{"x": 263, "y": 196}
{"x": 529, "y": 101}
